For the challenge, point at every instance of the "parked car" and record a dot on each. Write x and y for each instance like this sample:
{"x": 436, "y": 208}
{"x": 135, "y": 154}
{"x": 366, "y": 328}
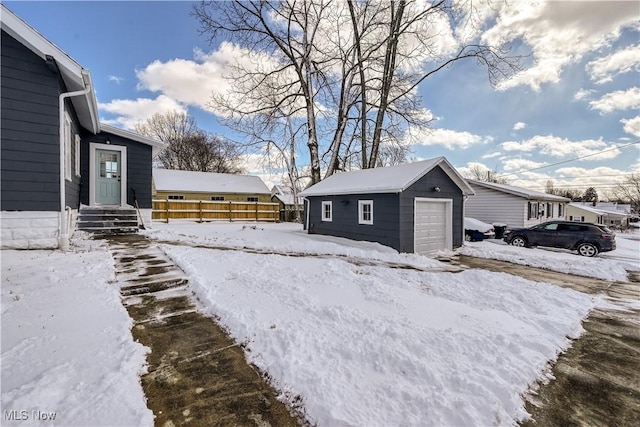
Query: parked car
{"x": 476, "y": 230}
{"x": 587, "y": 238}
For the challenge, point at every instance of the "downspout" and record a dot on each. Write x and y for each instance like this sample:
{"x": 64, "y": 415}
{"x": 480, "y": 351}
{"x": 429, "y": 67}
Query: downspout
{"x": 63, "y": 234}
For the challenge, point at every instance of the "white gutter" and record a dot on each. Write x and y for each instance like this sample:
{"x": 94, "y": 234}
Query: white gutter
{"x": 63, "y": 232}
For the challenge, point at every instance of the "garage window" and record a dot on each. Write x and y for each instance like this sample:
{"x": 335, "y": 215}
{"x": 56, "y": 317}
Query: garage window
{"x": 365, "y": 212}
{"x": 327, "y": 211}
{"x": 175, "y": 197}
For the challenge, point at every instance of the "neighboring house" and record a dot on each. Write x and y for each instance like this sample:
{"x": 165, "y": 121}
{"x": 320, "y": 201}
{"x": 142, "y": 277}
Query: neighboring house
{"x": 56, "y": 155}
{"x": 283, "y": 195}
{"x": 513, "y": 206}
{"x": 615, "y": 214}
{"x": 585, "y": 213}
{"x": 187, "y": 185}
{"x": 415, "y": 207}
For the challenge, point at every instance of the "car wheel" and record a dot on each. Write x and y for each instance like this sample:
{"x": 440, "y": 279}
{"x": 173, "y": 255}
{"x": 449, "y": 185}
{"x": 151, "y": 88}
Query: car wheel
{"x": 587, "y": 249}
{"x": 519, "y": 241}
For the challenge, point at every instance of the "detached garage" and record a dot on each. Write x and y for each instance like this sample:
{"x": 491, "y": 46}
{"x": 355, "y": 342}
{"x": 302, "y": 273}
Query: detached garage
{"x": 415, "y": 207}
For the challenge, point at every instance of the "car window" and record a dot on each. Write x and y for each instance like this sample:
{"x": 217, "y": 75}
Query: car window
{"x": 570, "y": 227}
{"x": 550, "y": 227}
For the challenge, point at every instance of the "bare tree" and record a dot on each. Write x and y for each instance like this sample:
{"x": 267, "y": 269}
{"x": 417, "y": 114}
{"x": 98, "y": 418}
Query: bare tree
{"x": 629, "y": 191}
{"x": 346, "y": 73}
{"x": 480, "y": 173}
{"x": 187, "y": 147}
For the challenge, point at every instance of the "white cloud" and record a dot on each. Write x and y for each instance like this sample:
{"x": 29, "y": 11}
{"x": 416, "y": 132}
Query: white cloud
{"x": 561, "y": 147}
{"x": 448, "y": 138}
{"x": 618, "y": 100}
{"x": 131, "y": 111}
{"x": 603, "y": 70}
{"x": 519, "y": 125}
{"x": 583, "y": 94}
{"x": 491, "y": 155}
{"x": 115, "y": 79}
{"x": 512, "y": 165}
{"x": 559, "y": 33}
{"x": 632, "y": 126}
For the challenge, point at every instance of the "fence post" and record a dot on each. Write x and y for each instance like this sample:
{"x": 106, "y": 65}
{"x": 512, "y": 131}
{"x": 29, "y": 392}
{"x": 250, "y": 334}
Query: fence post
{"x": 256, "y": 211}
{"x": 167, "y": 202}
{"x": 230, "y": 211}
{"x": 200, "y": 209}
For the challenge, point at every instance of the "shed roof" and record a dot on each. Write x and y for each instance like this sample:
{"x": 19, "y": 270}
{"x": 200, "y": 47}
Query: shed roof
{"x": 392, "y": 179}
{"x": 588, "y": 209}
{"x": 207, "y": 182}
{"x": 519, "y": 191}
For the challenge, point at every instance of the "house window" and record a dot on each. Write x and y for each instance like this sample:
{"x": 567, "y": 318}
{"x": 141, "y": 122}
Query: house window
{"x": 532, "y": 210}
{"x": 576, "y": 218}
{"x": 549, "y": 210}
{"x": 327, "y": 211}
{"x": 365, "y": 212}
{"x": 252, "y": 199}
{"x": 560, "y": 210}
{"x": 217, "y": 198}
{"x": 67, "y": 146}
{"x": 175, "y": 197}
{"x": 77, "y": 156}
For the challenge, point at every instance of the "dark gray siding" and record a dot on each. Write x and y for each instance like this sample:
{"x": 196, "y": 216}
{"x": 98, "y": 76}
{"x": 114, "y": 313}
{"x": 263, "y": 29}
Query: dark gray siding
{"x": 139, "y": 163}
{"x": 424, "y": 188}
{"x": 30, "y": 132}
{"x": 345, "y": 218}
{"x": 29, "y": 129}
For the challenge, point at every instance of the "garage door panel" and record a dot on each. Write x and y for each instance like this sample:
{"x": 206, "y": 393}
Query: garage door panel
{"x": 430, "y": 232}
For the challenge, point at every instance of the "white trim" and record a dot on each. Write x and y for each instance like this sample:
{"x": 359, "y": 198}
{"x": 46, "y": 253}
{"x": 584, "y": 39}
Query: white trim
{"x": 93, "y": 146}
{"x": 361, "y": 205}
{"x": 66, "y": 130}
{"x": 448, "y": 221}
{"x": 322, "y": 217}
{"x": 77, "y": 157}
{"x": 131, "y": 135}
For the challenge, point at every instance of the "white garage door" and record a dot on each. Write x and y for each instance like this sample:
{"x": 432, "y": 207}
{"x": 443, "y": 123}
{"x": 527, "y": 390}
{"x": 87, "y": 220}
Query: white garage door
{"x": 432, "y": 225}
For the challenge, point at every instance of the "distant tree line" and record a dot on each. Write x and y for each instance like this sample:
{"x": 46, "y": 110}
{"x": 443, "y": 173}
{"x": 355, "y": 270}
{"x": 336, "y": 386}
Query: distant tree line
{"x": 187, "y": 147}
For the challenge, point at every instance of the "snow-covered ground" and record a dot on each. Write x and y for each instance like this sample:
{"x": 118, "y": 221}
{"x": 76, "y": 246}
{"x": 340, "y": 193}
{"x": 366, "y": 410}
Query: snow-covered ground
{"x": 361, "y": 341}
{"x": 68, "y": 358}
{"x": 612, "y": 265}
{"x": 371, "y": 344}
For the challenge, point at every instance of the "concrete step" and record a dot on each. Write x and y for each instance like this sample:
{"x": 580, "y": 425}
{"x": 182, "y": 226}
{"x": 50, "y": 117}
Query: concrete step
{"x": 107, "y": 211}
{"x": 110, "y": 230}
{"x": 82, "y": 224}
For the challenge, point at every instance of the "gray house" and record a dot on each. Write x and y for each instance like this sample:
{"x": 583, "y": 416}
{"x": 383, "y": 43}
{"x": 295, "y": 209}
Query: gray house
{"x": 415, "y": 207}
{"x": 56, "y": 155}
{"x": 513, "y": 206}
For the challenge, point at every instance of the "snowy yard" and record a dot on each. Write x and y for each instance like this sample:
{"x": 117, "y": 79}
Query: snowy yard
{"x": 363, "y": 334}
{"x": 68, "y": 358}
{"x": 374, "y": 345}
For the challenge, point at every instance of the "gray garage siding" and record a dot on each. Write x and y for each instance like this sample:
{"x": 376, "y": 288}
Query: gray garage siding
{"x": 424, "y": 188}
{"x": 29, "y": 124}
{"x": 384, "y": 230}
{"x": 139, "y": 164}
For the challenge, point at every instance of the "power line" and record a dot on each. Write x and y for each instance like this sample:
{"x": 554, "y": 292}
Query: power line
{"x": 574, "y": 159}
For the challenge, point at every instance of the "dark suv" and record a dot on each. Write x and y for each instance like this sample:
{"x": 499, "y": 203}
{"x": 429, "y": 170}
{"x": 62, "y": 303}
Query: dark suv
{"x": 588, "y": 239}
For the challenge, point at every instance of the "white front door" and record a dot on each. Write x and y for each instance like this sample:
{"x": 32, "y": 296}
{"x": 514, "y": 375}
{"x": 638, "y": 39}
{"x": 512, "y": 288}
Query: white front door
{"x": 432, "y": 225}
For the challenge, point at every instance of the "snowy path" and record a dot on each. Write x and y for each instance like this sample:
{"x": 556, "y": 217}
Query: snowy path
{"x": 197, "y": 375}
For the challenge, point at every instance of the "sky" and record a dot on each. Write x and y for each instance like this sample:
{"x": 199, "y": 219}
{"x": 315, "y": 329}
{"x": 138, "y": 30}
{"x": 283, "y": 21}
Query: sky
{"x": 578, "y": 97}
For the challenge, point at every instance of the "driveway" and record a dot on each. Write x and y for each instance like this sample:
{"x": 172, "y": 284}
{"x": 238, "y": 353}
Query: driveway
{"x": 597, "y": 380}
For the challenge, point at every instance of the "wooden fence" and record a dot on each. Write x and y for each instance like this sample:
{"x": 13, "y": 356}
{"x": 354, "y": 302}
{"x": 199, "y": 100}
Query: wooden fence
{"x": 204, "y": 210}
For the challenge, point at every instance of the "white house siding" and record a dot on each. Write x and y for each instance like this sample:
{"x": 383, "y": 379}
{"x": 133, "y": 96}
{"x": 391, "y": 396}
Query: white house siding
{"x": 29, "y": 229}
{"x": 496, "y": 207}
